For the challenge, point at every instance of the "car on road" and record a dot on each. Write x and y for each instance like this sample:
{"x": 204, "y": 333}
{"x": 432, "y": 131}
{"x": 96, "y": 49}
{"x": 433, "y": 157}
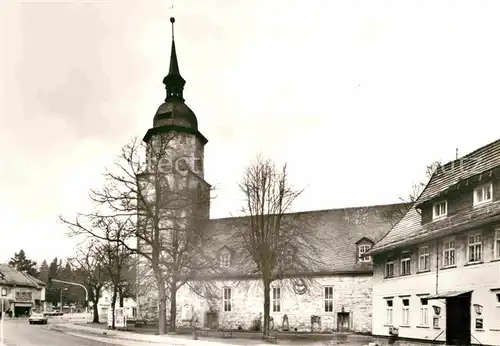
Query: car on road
{"x": 53, "y": 313}
{"x": 37, "y": 317}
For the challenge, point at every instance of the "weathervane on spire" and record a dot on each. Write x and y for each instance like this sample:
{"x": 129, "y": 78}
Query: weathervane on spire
{"x": 172, "y": 18}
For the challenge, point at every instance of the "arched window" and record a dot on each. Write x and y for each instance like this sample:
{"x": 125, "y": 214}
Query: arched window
{"x": 225, "y": 259}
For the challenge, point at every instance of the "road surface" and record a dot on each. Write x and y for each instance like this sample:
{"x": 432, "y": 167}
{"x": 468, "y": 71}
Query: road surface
{"x": 21, "y": 333}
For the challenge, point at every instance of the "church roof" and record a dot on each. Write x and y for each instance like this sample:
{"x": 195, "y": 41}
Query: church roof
{"x": 339, "y": 231}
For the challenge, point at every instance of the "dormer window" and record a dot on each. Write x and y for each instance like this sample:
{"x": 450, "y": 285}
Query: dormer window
{"x": 440, "y": 210}
{"x": 483, "y": 194}
{"x": 363, "y": 246}
{"x": 225, "y": 259}
{"x": 362, "y": 249}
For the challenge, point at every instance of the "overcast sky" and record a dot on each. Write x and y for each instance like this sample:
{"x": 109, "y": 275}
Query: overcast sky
{"x": 357, "y": 96}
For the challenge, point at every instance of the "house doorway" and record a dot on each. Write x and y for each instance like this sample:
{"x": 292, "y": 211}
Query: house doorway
{"x": 458, "y": 319}
{"x": 22, "y": 310}
{"x": 458, "y": 316}
{"x": 343, "y": 322}
{"x": 211, "y": 320}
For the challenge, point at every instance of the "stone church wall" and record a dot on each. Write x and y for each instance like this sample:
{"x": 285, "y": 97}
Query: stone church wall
{"x": 352, "y": 305}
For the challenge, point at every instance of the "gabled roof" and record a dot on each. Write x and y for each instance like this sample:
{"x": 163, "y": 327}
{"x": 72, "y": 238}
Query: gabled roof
{"x": 363, "y": 239}
{"x": 224, "y": 248}
{"x": 481, "y": 160}
{"x": 339, "y": 230}
{"x": 480, "y": 165}
{"x": 35, "y": 280}
{"x": 12, "y": 277}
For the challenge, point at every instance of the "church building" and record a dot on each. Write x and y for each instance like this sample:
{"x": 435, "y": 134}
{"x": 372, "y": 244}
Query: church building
{"x": 337, "y": 297}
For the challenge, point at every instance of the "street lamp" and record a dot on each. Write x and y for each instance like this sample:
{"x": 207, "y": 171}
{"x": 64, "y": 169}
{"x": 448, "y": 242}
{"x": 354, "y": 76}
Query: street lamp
{"x": 478, "y": 308}
{"x": 63, "y": 289}
{"x": 4, "y": 294}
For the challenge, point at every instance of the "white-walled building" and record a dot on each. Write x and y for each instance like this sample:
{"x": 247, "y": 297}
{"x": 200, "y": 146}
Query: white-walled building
{"x": 437, "y": 272}
{"x": 21, "y": 292}
{"x": 104, "y": 304}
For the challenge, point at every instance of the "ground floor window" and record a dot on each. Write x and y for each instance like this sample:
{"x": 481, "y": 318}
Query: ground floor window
{"x": 388, "y": 312}
{"x": 424, "y": 312}
{"x": 227, "y": 299}
{"x": 435, "y": 322}
{"x": 406, "y": 312}
{"x": 328, "y": 298}
{"x": 479, "y": 323}
{"x": 276, "y": 299}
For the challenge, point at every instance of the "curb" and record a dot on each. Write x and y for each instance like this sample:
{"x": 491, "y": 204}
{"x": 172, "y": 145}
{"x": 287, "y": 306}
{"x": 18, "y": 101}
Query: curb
{"x": 151, "y": 339}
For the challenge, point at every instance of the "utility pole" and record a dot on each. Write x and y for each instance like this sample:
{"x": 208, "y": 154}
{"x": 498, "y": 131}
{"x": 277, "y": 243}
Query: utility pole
{"x": 4, "y": 294}
{"x": 62, "y": 289}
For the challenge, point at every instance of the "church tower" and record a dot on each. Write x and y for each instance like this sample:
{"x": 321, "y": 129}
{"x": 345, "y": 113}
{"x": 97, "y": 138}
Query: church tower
{"x": 175, "y": 119}
{"x": 177, "y": 198}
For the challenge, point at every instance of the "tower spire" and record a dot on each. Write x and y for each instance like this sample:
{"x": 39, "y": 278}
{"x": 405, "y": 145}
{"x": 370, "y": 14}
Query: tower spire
{"x": 174, "y": 82}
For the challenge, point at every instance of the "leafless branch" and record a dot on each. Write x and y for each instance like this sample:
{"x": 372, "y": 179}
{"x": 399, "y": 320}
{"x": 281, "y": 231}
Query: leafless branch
{"x": 276, "y": 242}
{"x": 149, "y": 209}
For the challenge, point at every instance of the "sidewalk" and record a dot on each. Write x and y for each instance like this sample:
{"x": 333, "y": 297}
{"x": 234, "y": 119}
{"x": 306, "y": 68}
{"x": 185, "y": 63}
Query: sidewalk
{"x": 178, "y": 340}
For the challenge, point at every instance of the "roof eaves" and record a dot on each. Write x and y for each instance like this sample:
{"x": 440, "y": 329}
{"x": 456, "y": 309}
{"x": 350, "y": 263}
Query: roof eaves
{"x": 438, "y": 233}
{"x": 488, "y": 173}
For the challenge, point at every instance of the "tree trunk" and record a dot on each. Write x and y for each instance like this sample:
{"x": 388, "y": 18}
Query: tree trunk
{"x": 121, "y": 299}
{"x": 173, "y": 305}
{"x": 162, "y": 297}
{"x": 113, "y": 307}
{"x": 120, "y": 293}
{"x": 96, "y": 311}
{"x": 267, "y": 306}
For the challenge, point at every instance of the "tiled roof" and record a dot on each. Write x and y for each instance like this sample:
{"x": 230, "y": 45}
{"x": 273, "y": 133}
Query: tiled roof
{"x": 35, "y": 280}
{"x": 409, "y": 229}
{"x": 481, "y": 160}
{"x": 11, "y": 277}
{"x": 338, "y": 231}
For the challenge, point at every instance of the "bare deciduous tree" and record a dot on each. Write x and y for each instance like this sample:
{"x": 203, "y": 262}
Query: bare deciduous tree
{"x": 90, "y": 271}
{"x": 117, "y": 261}
{"x": 396, "y": 213}
{"x": 278, "y": 244}
{"x": 161, "y": 207}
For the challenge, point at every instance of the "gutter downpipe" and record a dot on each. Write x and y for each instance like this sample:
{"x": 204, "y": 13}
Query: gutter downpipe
{"x": 437, "y": 266}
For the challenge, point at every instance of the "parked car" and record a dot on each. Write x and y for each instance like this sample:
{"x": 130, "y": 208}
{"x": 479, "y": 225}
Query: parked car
{"x": 37, "y": 317}
{"x": 52, "y": 313}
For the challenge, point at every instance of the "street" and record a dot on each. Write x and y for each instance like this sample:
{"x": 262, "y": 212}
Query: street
{"x": 21, "y": 333}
